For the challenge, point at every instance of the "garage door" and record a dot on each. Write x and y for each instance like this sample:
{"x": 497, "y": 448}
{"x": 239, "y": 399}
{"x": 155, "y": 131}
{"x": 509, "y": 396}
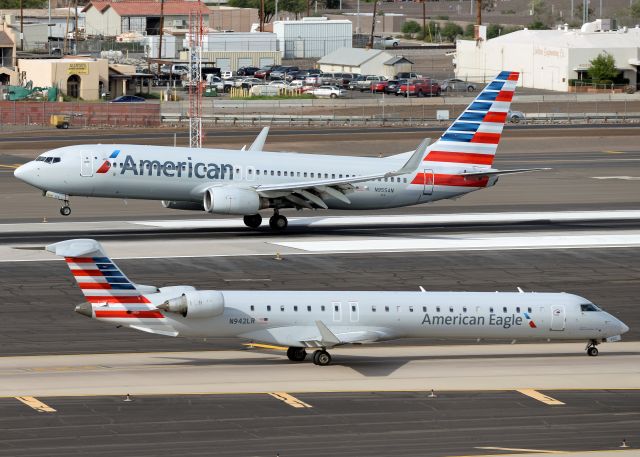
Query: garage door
{"x": 245, "y": 62}
{"x": 223, "y": 64}
{"x": 264, "y": 61}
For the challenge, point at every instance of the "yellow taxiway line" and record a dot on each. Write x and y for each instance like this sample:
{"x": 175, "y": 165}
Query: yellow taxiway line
{"x": 540, "y": 397}
{"x": 36, "y": 404}
{"x": 512, "y": 449}
{"x": 265, "y": 346}
{"x": 290, "y": 400}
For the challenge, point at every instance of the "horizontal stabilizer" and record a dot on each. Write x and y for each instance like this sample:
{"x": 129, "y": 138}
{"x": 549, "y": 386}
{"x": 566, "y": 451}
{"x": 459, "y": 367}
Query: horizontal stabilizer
{"x": 155, "y": 330}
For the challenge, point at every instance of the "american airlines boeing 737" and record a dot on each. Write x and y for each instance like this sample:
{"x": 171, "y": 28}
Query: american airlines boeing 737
{"x": 320, "y": 320}
{"x": 244, "y": 182}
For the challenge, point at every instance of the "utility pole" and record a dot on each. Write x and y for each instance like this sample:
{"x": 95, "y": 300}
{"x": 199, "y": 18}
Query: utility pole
{"x": 21, "y": 27}
{"x": 262, "y": 15}
{"x": 479, "y": 12}
{"x": 275, "y": 14}
{"x": 75, "y": 26}
{"x": 424, "y": 20}
{"x": 160, "y": 32}
{"x": 308, "y": 8}
{"x": 49, "y": 30}
{"x": 373, "y": 24}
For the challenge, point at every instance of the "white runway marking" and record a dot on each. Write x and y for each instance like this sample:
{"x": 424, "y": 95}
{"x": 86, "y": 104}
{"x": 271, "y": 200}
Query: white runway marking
{"x": 467, "y": 243}
{"x": 624, "y": 178}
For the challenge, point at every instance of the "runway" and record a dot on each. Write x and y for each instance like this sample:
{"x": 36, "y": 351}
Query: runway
{"x": 353, "y": 424}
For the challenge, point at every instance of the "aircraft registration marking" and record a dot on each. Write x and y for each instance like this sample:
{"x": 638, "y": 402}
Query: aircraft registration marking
{"x": 290, "y": 400}
{"x": 36, "y": 404}
{"x": 540, "y": 397}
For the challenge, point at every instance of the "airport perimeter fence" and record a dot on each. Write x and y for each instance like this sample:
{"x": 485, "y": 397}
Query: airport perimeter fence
{"x": 81, "y": 114}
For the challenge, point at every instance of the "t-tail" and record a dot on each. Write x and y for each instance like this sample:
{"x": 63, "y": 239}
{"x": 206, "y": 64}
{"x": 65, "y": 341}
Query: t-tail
{"x": 102, "y": 282}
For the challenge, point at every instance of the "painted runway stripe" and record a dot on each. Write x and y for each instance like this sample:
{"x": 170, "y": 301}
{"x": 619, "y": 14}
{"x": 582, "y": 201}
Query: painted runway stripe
{"x": 36, "y": 404}
{"x": 514, "y": 449}
{"x": 290, "y": 400}
{"x": 540, "y": 397}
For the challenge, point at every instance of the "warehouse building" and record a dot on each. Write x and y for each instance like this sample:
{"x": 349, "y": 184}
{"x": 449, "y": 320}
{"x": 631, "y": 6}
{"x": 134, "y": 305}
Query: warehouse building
{"x": 549, "y": 59}
{"x": 364, "y": 62}
{"x": 312, "y": 37}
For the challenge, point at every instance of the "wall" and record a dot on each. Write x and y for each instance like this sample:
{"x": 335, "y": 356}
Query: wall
{"x": 237, "y": 59}
{"x": 105, "y": 24}
{"x": 305, "y": 39}
{"x": 236, "y": 19}
{"x": 376, "y": 65}
{"x": 55, "y": 73}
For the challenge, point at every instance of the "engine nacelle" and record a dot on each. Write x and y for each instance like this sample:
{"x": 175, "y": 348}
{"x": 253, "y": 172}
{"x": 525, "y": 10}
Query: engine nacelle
{"x": 176, "y": 290}
{"x": 233, "y": 200}
{"x": 196, "y": 304}
{"x": 190, "y": 206}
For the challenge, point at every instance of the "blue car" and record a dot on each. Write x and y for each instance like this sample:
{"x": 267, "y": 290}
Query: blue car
{"x": 128, "y": 99}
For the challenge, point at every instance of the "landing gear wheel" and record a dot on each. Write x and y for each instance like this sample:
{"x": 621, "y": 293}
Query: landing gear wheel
{"x": 253, "y": 221}
{"x": 65, "y": 210}
{"x": 296, "y": 354}
{"x": 322, "y": 358}
{"x": 278, "y": 222}
{"x": 592, "y": 351}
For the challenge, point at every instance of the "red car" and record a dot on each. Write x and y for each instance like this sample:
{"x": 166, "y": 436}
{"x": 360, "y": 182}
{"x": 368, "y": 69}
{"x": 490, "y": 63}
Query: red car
{"x": 379, "y": 86}
{"x": 265, "y": 72}
{"x": 420, "y": 88}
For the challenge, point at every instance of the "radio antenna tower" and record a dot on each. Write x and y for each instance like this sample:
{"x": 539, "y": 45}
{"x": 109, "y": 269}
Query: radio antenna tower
{"x": 196, "y": 30}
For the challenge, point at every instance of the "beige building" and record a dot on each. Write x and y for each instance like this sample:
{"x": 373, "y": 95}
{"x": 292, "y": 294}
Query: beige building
{"x": 232, "y": 60}
{"x": 364, "y": 62}
{"x": 74, "y": 77}
{"x": 227, "y": 18}
{"x": 8, "y": 73}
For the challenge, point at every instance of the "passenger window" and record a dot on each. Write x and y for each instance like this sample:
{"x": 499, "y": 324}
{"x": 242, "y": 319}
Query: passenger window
{"x": 437, "y": 309}
{"x": 353, "y": 308}
{"x": 404, "y": 180}
{"x": 410, "y": 309}
{"x": 282, "y": 308}
{"x": 252, "y": 308}
{"x": 335, "y": 308}
{"x": 529, "y": 310}
{"x": 285, "y": 173}
{"x": 504, "y": 309}
{"x": 312, "y": 175}
{"x": 373, "y": 308}
{"x": 517, "y": 309}
{"x": 295, "y": 308}
{"x": 257, "y": 172}
{"x": 272, "y": 173}
{"x": 305, "y": 174}
{"x": 322, "y": 308}
{"x": 250, "y": 171}
{"x": 340, "y": 176}
{"x": 333, "y": 176}
{"x": 491, "y": 309}
{"x": 386, "y": 309}
{"x": 298, "y": 174}
{"x": 424, "y": 309}
{"x": 464, "y": 309}
{"x": 279, "y": 173}
{"x": 268, "y": 307}
{"x": 450, "y": 309}
{"x": 326, "y": 175}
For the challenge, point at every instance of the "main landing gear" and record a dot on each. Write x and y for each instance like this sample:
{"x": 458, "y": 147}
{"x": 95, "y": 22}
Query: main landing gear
{"x": 296, "y": 354}
{"x": 320, "y": 357}
{"x": 592, "y": 350}
{"x": 276, "y": 222}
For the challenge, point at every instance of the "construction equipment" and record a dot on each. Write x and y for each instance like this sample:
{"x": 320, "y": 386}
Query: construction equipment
{"x": 60, "y": 121}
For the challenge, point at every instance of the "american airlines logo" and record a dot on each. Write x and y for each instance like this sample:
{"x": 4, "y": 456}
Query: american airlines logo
{"x": 494, "y": 320}
{"x": 171, "y": 169}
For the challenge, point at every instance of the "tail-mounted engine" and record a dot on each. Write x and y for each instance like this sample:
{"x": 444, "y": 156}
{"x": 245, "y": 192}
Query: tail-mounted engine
{"x": 196, "y": 304}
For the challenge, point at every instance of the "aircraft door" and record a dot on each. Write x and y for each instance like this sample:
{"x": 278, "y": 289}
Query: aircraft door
{"x": 427, "y": 177}
{"x": 86, "y": 164}
{"x": 337, "y": 311}
{"x": 354, "y": 311}
{"x": 558, "y": 318}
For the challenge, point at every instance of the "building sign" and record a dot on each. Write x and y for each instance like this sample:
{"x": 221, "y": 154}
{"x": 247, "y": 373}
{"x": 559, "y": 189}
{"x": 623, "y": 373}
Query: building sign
{"x": 78, "y": 69}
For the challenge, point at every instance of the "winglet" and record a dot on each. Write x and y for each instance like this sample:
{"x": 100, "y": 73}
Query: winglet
{"x": 414, "y": 161}
{"x": 328, "y": 337}
{"x": 258, "y": 143}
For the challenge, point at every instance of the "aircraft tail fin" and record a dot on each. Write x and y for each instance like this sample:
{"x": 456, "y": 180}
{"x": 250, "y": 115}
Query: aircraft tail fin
{"x": 99, "y": 278}
{"x": 472, "y": 139}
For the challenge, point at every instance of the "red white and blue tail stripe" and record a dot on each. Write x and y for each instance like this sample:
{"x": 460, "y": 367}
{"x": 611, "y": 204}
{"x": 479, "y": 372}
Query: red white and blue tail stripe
{"x": 474, "y": 136}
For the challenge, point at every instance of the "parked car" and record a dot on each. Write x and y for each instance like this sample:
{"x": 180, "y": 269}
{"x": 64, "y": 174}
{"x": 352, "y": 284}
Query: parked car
{"x": 176, "y": 69}
{"x": 407, "y": 75}
{"x": 393, "y": 85}
{"x": 454, "y": 84}
{"x": 420, "y": 88}
{"x": 328, "y": 91}
{"x": 248, "y": 83}
{"x": 128, "y": 99}
{"x": 280, "y": 84}
{"x": 365, "y": 82}
{"x": 281, "y": 72}
{"x": 344, "y": 79}
{"x": 265, "y": 72}
{"x": 388, "y": 42}
{"x": 515, "y": 116}
{"x": 215, "y": 81}
{"x": 379, "y": 86}
{"x": 247, "y": 71}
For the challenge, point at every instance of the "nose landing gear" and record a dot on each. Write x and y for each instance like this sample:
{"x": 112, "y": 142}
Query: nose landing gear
{"x": 592, "y": 350}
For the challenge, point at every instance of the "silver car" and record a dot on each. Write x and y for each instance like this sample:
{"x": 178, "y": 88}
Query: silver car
{"x": 457, "y": 85}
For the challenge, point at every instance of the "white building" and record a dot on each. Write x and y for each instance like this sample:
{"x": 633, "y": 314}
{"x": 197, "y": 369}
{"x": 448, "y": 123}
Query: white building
{"x": 312, "y": 36}
{"x": 364, "y": 62}
{"x": 239, "y": 41}
{"x": 548, "y": 59}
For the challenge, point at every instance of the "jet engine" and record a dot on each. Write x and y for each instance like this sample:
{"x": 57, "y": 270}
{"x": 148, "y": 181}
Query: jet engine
{"x": 191, "y": 206}
{"x": 233, "y": 200}
{"x": 196, "y": 304}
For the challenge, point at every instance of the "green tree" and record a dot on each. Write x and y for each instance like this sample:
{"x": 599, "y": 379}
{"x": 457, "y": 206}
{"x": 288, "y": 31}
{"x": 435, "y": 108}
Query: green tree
{"x": 411, "y": 27}
{"x": 602, "y": 68}
{"x": 634, "y": 10}
{"x": 537, "y": 25}
{"x": 15, "y": 4}
{"x": 450, "y": 31}
{"x": 293, "y": 6}
{"x": 469, "y": 31}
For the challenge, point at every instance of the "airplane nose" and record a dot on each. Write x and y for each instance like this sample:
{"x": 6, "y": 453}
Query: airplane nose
{"x": 20, "y": 172}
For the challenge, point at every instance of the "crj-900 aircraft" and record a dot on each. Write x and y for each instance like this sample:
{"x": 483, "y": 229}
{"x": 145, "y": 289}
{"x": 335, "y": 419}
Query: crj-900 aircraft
{"x": 243, "y": 182}
{"x": 325, "y": 319}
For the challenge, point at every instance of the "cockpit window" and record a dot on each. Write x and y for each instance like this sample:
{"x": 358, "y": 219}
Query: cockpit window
{"x": 48, "y": 159}
{"x": 588, "y": 307}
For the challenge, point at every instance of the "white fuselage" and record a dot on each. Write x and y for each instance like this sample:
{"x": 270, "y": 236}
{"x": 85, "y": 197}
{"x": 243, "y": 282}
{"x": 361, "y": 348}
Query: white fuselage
{"x": 183, "y": 174}
{"x": 287, "y": 317}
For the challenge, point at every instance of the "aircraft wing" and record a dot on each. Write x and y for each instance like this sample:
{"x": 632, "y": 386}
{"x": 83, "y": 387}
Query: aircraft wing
{"x": 308, "y": 193}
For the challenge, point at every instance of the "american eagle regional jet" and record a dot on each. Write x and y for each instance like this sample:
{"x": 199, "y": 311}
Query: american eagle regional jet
{"x": 244, "y": 182}
{"x": 320, "y": 320}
